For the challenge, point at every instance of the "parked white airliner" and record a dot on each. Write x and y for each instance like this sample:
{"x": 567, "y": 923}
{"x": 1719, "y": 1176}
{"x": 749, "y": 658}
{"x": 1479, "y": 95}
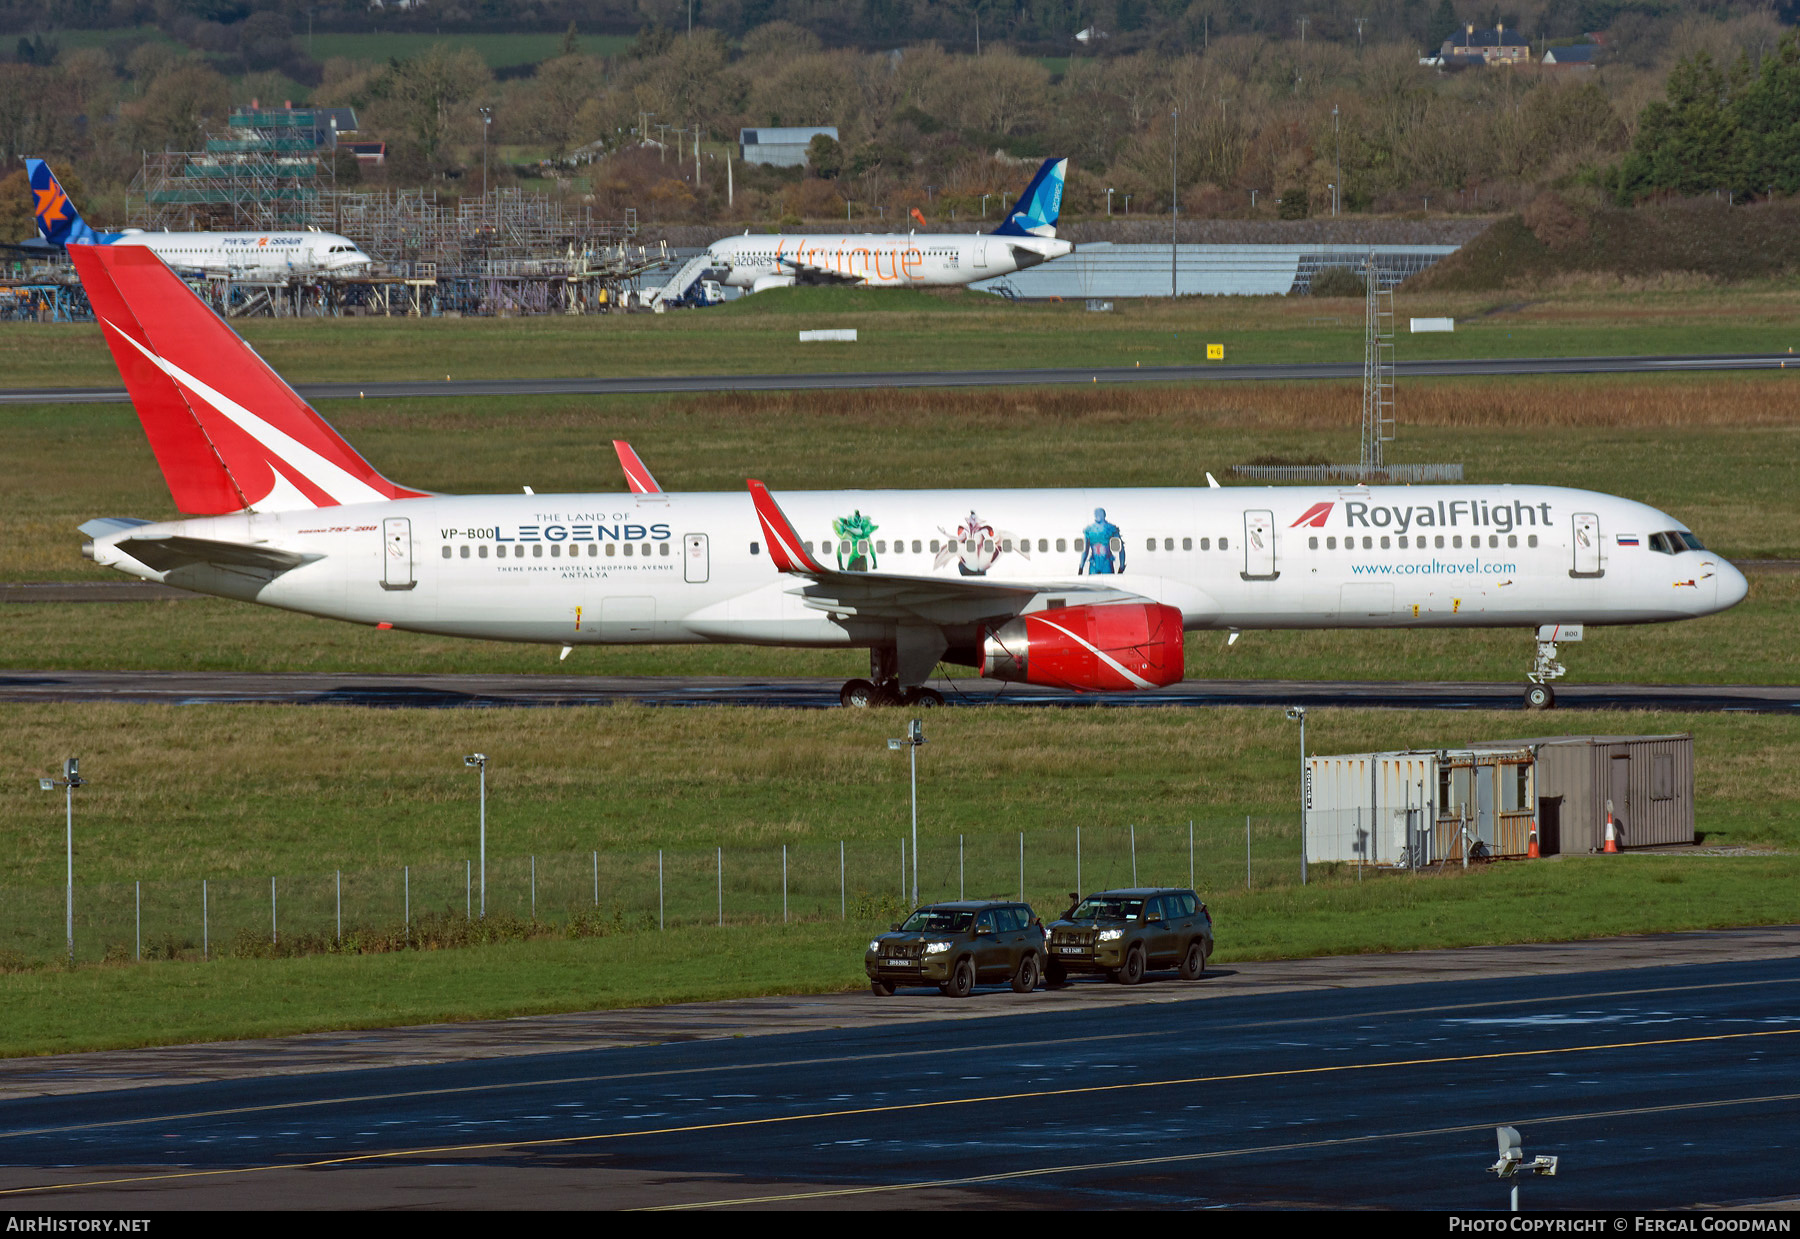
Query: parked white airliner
{"x": 1089, "y": 589}
{"x": 245, "y": 255}
{"x": 904, "y": 260}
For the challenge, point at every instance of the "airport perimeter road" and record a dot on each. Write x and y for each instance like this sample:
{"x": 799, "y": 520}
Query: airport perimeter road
{"x": 1663, "y": 1087}
{"x": 1217, "y": 373}
{"x": 810, "y": 693}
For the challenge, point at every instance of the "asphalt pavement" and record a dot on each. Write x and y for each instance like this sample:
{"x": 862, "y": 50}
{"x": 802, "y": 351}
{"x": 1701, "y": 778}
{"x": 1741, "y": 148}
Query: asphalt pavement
{"x": 1658, "y": 1087}
{"x": 1218, "y": 372}
{"x": 803, "y": 692}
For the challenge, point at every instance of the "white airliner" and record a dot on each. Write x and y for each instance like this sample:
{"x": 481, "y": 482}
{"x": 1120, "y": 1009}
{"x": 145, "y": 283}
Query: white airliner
{"x": 242, "y": 254}
{"x": 905, "y": 260}
{"x": 1089, "y": 589}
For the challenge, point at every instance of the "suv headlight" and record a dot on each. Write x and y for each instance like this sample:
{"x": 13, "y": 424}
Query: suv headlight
{"x": 936, "y": 948}
{"x": 1109, "y": 935}
{"x": 875, "y": 945}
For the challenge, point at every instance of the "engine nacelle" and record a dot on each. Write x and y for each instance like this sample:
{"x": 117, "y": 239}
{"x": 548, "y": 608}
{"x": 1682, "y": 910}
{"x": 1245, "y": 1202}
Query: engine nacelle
{"x": 1110, "y": 647}
{"x": 763, "y": 283}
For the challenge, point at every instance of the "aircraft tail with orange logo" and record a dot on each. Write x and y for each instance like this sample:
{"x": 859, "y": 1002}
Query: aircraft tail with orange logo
{"x": 58, "y": 221}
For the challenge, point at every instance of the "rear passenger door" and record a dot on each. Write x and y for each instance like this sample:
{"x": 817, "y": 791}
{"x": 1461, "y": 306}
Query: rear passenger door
{"x": 1159, "y": 934}
{"x": 990, "y": 946}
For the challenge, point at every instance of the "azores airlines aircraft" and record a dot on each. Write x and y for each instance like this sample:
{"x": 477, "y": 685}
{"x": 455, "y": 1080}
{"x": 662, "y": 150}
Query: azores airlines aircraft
{"x": 905, "y": 260}
{"x": 207, "y": 253}
{"x": 1086, "y": 589}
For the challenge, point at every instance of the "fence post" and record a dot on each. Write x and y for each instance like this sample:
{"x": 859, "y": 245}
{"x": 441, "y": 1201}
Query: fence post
{"x": 1133, "y": 830}
{"x": 1190, "y": 853}
{"x": 468, "y": 891}
{"x": 340, "y": 906}
{"x": 205, "y": 939}
{"x": 406, "y": 922}
{"x": 140, "y": 920}
{"x": 961, "y": 886}
{"x": 274, "y": 928}
{"x": 903, "y": 869}
{"x": 596, "y": 879}
{"x": 721, "y": 887}
{"x": 843, "y": 891}
{"x": 784, "y": 884}
{"x": 1021, "y": 866}
{"x": 534, "y": 887}
{"x": 1246, "y": 851}
{"x": 660, "y": 922}
{"x": 1078, "y": 885}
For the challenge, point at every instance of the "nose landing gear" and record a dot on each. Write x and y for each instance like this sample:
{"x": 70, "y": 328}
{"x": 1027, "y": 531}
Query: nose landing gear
{"x": 1544, "y": 668}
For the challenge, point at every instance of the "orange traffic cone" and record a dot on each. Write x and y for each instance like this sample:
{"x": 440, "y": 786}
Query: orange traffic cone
{"x": 1612, "y": 834}
{"x": 1531, "y": 848}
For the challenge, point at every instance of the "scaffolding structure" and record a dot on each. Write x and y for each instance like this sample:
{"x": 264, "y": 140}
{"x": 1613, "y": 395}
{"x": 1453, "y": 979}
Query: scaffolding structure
{"x": 1378, "y": 364}
{"x": 271, "y": 169}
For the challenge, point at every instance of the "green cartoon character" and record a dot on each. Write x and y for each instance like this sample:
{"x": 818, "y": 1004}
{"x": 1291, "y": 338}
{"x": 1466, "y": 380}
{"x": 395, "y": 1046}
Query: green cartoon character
{"x": 855, "y": 553}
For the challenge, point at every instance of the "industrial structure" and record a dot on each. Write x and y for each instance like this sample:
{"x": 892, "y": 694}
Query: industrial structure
{"x": 1497, "y": 799}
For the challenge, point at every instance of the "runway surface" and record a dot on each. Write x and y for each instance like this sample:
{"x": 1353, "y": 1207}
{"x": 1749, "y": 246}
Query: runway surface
{"x": 1658, "y": 1087}
{"x": 484, "y": 691}
{"x": 1215, "y": 373}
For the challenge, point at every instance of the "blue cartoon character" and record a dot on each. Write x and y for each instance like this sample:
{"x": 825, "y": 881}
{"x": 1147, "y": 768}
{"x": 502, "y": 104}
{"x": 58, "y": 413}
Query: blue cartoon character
{"x": 856, "y": 553}
{"x": 1102, "y": 549}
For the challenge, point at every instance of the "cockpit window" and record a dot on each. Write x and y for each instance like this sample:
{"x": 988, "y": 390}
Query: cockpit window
{"x": 1674, "y": 542}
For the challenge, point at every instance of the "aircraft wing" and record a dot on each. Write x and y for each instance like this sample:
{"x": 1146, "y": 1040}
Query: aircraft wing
{"x": 806, "y": 271}
{"x": 903, "y": 598}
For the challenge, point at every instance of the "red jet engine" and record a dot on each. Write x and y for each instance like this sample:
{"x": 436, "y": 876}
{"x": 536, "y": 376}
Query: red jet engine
{"x": 1111, "y": 647}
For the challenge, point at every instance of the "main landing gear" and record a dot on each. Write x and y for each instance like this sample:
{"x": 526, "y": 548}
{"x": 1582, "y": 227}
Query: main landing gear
{"x": 864, "y": 693}
{"x": 1544, "y": 668}
{"x": 883, "y": 687}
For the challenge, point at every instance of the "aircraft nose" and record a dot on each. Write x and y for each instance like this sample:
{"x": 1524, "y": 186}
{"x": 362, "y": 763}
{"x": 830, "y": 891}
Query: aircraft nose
{"x": 1733, "y": 587}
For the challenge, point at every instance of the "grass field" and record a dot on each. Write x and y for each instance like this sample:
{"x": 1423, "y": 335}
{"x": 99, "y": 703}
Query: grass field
{"x": 235, "y": 794}
{"x": 110, "y": 1006}
{"x": 500, "y": 51}
{"x": 242, "y": 791}
{"x": 905, "y": 330}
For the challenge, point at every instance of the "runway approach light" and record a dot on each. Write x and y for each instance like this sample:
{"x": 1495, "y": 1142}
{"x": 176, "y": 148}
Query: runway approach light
{"x": 1512, "y": 1161}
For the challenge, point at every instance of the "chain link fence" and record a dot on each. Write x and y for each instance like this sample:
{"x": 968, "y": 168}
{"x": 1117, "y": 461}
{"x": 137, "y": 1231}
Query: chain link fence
{"x": 591, "y": 893}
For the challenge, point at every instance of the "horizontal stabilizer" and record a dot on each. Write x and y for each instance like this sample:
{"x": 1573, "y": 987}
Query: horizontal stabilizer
{"x": 166, "y": 553}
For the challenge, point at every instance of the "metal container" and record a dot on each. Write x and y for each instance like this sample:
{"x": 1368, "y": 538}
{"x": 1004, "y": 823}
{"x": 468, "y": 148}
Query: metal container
{"x": 1370, "y": 808}
{"x": 1649, "y": 779}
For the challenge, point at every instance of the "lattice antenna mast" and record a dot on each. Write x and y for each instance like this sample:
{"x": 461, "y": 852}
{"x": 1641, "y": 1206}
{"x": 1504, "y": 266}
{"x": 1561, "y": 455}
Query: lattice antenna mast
{"x": 1378, "y": 364}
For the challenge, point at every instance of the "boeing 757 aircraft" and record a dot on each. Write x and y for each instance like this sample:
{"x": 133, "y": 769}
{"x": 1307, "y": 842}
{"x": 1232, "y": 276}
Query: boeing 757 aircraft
{"x": 207, "y": 253}
{"x": 905, "y": 260}
{"x": 1087, "y": 589}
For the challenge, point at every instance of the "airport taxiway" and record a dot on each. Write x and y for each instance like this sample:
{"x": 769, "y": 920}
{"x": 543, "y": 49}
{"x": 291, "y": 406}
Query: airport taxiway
{"x": 1218, "y": 372}
{"x": 1660, "y": 1070}
{"x": 812, "y": 692}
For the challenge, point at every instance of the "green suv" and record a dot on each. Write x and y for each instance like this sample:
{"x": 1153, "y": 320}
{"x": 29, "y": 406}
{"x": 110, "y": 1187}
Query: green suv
{"x": 956, "y": 946}
{"x": 1125, "y": 934}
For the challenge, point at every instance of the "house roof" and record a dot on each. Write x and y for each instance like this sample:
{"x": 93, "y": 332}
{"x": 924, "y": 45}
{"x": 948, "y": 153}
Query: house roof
{"x": 1499, "y": 36}
{"x": 1577, "y": 54}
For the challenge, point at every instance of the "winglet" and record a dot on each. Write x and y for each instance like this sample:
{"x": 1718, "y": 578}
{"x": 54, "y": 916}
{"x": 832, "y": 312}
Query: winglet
{"x": 636, "y": 476}
{"x": 785, "y": 546}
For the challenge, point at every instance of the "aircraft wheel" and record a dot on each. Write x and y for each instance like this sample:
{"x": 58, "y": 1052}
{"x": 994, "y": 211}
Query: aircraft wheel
{"x": 1539, "y": 697}
{"x": 860, "y": 694}
{"x": 924, "y": 698}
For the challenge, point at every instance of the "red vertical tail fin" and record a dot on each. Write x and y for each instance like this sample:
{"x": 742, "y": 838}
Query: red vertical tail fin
{"x": 229, "y": 434}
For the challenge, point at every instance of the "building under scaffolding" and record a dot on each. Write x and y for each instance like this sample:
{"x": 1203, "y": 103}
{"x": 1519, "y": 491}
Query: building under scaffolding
{"x": 271, "y": 169}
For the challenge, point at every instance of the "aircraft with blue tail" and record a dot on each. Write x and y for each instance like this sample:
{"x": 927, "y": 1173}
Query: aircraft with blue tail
{"x": 904, "y": 260}
{"x": 239, "y": 254}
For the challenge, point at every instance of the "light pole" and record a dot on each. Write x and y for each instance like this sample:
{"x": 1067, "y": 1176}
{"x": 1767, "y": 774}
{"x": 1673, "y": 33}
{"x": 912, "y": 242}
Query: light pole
{"x": 984, "y": 199}
{"x": 479, "y": 762}
{"x": 915, "y": 736}
{"x": 1174, "y": 196}
{"x": 1128, "y": 204}
{"x": 69, "y": 782}
{"x": 1110, "y": 191}
{"x": 1337, "y": 158}
{"x": 487, "y": 120}
{"x": 1297, "y": 714}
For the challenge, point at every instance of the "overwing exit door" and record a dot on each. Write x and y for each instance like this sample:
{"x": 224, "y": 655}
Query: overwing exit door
{"x": 1259, "y": 547}
{"x": 396, "y": 554}
{"x": 694, "y": 558}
